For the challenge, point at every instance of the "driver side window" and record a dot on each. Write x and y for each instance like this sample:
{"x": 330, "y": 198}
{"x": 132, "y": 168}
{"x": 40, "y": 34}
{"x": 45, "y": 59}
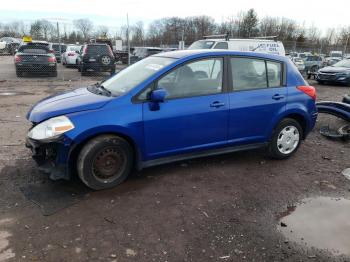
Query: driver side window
{"x": 197, "y": 78}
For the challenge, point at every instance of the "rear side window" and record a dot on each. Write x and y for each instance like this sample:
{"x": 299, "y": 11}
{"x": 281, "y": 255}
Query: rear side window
{"x": 250, "y": 73}
{"x": 274, "y": 73}
{"x": 221, "y": 45}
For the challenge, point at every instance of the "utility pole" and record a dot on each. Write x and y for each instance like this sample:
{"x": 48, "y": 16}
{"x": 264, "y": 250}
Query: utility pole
{"x": 59, "y": 38}
{"x": 346, "y": 44}
{"x": 127, "y": 36}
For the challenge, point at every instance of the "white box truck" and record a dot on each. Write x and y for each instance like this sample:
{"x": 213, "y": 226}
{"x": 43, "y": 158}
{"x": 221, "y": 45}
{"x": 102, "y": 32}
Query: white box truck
{"x": 245, "y": 45}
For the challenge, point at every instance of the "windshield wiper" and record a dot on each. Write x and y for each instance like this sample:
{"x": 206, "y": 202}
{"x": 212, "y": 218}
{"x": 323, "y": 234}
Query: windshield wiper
{"x": 101, "y": 89}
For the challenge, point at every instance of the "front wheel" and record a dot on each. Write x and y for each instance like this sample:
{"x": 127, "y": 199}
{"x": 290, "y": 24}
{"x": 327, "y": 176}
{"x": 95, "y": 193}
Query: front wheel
{"x": 105, "y": 162}
{"x": 286, "y": 139}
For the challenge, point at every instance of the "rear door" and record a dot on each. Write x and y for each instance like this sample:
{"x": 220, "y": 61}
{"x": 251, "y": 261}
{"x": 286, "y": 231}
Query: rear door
{"x": 258, "y": 96}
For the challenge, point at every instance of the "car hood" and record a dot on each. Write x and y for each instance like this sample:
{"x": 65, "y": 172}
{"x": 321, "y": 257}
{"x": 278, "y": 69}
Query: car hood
{"x": 69, "y": 102}
{"x": 334, "y": 69}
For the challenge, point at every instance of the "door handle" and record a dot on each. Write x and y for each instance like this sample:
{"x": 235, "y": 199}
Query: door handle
{"x": 277, "y": 97}
{"x": 217, "y": 104}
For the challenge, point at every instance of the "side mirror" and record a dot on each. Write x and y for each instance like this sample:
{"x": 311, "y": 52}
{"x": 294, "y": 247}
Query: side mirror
{"x": 158, "y": 95}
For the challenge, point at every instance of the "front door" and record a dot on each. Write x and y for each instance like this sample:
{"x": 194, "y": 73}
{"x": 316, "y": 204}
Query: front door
{"x": 194, "y": 115}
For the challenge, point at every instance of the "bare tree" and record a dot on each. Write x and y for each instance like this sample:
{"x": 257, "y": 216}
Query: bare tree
{"x": 102, "y": 31}
{"x": 138, "y": 34}
{"x": 85, "y": 26}
{"x": 47, "y": 28}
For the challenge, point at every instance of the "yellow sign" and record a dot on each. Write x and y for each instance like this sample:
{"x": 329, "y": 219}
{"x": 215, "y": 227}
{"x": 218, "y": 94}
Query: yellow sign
{"x": 27, "y": 39}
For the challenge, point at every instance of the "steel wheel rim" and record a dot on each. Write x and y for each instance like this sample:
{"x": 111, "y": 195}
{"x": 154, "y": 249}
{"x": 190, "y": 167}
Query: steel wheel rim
{"x": 108, "y": 164}
{"x": 288, "y": 140}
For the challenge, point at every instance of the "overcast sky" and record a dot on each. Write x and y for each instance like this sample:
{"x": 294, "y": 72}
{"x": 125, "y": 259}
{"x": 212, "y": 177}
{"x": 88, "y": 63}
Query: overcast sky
{"x": 113, "y": 12}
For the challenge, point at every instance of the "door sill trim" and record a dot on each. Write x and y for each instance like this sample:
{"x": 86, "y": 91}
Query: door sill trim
{"x": 210, "y": 152}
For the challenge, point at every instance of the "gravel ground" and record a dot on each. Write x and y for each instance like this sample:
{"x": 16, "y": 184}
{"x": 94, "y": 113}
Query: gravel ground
{"x": 223, "y": 208}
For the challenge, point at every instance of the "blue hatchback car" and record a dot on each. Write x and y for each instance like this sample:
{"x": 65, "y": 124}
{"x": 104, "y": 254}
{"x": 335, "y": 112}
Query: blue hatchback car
{"x": 169, "y": 107}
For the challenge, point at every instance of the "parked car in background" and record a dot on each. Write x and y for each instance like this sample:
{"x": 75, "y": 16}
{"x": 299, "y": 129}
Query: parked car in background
{"x": 9, "y": 45}
{"x": 35, "y": 58}
{"x": 254, "y": 45}
{"x": 58, "y": 49}
{"x": 143, "y": 52}
{"x": 338, "y": 73}
{"x": 332, "y": 60}
{"x": 304, "y": 55}
{"x": 70, "y": 56}
{"x": 96, "y": 57}
{"x": 299, "y": 63}
{"x": 313, "y": 63}
{"x": 336, "y": 54}
{"x": 169, "y": 107}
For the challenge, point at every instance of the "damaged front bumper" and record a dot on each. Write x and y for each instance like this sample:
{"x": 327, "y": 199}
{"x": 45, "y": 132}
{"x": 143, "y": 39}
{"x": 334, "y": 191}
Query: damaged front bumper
{"x": 52, "y": 156}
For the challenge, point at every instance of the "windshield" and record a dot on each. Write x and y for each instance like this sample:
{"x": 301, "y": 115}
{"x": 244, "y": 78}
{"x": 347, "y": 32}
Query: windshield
{"x": 343, "y": 63}
{"x": 135, "y": 74}
{"x": 202, "y": 45}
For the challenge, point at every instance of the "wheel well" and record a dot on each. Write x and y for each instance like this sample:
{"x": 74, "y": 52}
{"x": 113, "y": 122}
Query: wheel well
{"x": 300, "y": 119}
{"x": 73, "y": 157}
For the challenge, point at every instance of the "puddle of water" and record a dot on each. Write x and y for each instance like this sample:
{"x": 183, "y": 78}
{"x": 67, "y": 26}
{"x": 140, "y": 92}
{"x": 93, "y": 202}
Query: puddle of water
{"x": 7, "y": 93}
{"x": 321, "y": 222}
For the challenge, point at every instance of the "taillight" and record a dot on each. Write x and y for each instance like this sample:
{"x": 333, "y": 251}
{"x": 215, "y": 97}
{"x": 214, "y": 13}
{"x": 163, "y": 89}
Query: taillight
{"x": 51, "y": 59}
{"x": 110, "y": 51}
{"x": 309, "y": 90}
{"x": 71, "y": 54}
{"x": 18, "y": 59}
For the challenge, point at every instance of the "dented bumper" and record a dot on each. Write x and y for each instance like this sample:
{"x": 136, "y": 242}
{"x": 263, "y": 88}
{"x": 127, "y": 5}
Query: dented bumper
{"x": 51, "y": 156}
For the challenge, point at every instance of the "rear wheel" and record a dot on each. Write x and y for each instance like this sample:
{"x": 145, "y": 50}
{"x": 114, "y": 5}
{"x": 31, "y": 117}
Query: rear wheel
{"x": 105, "y": 162}
{"x": 19, "y": 73}
{"x": 286, "y": 139}
{"x": 83, "y": 70}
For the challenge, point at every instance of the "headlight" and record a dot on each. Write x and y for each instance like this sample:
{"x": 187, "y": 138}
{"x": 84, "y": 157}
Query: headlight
{"x": 51, "y": 128}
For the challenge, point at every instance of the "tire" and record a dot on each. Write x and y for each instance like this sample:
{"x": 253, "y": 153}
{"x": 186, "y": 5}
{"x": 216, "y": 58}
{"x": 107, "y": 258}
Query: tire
{"x": 278, "y": 144}
{"x": 53, "y": 74}
{"x": 83, "y": 70}
{"x": 320, "y": 82}
{"x": 346, "y": 99}
{"x": 94, "y": 171}
{"x": 79, "y": 68}
{"x": 19, "y": 73}
{"x": 106, "y": 60}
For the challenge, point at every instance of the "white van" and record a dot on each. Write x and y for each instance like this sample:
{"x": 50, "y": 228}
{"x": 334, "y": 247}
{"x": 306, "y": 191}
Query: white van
{"x": 252, "y": 45}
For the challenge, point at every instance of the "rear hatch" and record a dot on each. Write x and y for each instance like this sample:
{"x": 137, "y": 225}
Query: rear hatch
{"x": 93, "y": 53}
{"x": 34, "y": 54}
